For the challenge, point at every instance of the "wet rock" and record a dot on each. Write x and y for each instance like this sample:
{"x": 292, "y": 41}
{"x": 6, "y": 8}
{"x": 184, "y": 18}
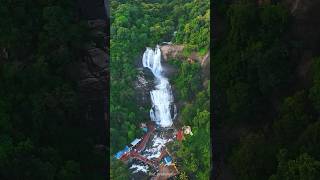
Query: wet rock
{"x": 143, "y": 85}
{"x": 148, "y": 75}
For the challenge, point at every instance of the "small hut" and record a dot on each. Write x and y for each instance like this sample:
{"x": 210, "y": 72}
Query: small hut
{"x": 180, "y": 135}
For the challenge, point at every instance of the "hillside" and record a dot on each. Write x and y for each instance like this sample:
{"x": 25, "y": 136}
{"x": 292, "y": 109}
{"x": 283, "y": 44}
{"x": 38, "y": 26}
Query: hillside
{"x": 265, "y": 69}
{"x": 52, "y": 90}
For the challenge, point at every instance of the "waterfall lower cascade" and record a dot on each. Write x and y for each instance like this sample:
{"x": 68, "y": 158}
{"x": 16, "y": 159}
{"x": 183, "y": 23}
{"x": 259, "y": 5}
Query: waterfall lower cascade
{"x": 163, "y": 109}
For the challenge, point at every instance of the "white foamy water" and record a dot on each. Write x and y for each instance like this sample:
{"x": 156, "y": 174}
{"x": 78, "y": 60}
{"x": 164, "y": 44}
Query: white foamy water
{"x": 143, "y": 168}
{"x": 158, "y": 143}
{"x": 161, "y": 97}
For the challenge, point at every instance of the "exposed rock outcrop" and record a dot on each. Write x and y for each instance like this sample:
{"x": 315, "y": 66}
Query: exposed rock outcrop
{"x": 304, "y": 32}
{"x": 93, "y": 75}
{"x": 205, "y": 64}
{"x": 172, "y": 52}
{"x": 177, "y": 52}
{"x": 299, "y": 6}
{"x": 306, "y": 22}
{"x": 94, "y": 70}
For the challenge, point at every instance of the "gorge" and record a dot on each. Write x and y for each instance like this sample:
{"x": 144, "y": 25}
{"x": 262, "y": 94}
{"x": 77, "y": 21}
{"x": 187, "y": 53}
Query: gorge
{"x": 162, "y": 112}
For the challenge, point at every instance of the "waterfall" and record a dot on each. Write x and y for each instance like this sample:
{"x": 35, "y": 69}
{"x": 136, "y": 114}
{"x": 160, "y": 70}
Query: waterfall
{"x": 162, "y": 112}
{"x": 161, "y": 96}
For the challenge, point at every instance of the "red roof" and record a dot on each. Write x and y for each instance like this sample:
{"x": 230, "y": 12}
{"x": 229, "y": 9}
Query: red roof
{"x": 180, "y": 135}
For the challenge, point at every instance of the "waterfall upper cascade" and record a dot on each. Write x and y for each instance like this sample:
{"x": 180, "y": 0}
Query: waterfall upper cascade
{"x": 163, "y": 109}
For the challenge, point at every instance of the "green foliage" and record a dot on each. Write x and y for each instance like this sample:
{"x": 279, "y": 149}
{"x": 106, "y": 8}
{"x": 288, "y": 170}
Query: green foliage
{"x": 293, "y": 119}
{"x": 314, "y": 94}
{"x": 70, "y": 170}
{"x": 257, "y": 90}
{"x": 238, "y": 99}
{"x": 309, "y": 140}
{"x": 182, "y": 176}
{"x": 188, "y": 80}
{"x": 242, "y": 18}
{"x": 118, "y": 170}
{"x": 253, "y": 159}
{"x": 193, "y": 153}
{"x": 194, "y": 24}
{"x": 274, "y": 19}
{"x": 303, "y": 167}
{"x": 249, "y": 63}
{"x": 43, "y": 131}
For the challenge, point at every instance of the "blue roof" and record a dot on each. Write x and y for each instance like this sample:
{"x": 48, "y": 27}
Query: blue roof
{"x": 168, "y": 160}
{"x": 120, "y": 153}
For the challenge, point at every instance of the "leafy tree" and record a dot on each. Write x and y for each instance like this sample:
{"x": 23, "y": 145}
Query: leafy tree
{"x": 293, "y": 118}
{"x": 303, "y": 167}
{"x": 253, "y": 72}
{"x": 41, "y": 123}
{"x": 118, "y": 171}
{"x": 239, "y": 100}
{"x": 244, "y": 158}
{"x": 70, "y": 170}
{"x": 315, "y": 89}
{"x": 188, "y": 74}
{"x": 309, "y": 140}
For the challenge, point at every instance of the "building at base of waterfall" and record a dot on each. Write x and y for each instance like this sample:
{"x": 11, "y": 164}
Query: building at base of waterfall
{"x": 122, "y": 152}
{"x": 167, "y": 160}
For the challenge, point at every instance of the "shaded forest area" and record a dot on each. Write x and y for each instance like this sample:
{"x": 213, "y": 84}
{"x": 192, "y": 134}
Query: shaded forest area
{"x": 266, "y": 70}
{"x": 136, "y": 24}
{"x": 48, "y": 127}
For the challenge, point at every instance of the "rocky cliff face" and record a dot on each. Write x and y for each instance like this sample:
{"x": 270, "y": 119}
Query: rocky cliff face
{"x": 172, "y": 52}
{"x": 304, "y": 31}
{"x": 176, "y": 52}
{"x": 306, "y": 22}
{"x": 93, "y": 75}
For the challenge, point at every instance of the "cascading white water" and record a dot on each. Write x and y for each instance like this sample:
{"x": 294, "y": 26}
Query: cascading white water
{"x": 163, "y": 110}
{"x": 161, "y": 97}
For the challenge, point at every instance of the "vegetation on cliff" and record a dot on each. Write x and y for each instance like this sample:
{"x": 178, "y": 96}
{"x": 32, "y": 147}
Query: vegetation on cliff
{"x": 44, "y": 133}
{"x": 257, "y": 89}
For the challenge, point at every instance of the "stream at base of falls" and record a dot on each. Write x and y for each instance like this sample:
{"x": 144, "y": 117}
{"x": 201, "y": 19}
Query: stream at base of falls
{"x": 163, "y": 111}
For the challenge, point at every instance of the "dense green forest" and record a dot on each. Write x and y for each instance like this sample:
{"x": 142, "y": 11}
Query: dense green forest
{"x": 259, "y": 97}
{"x": 193, "y": 154}
{"x": 136, "y": 24}
{"x": 43, "y": 131}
